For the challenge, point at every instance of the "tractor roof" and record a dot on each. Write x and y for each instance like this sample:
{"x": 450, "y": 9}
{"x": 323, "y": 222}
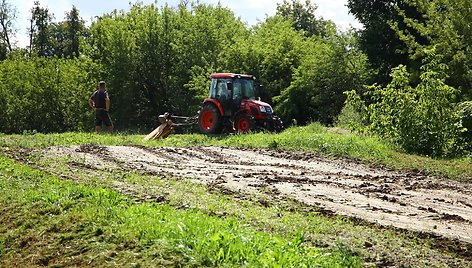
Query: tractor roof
{"x": 231, "y": 75}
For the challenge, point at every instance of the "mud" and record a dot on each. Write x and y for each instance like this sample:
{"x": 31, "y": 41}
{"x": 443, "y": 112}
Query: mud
{"x": 405, "y": 200}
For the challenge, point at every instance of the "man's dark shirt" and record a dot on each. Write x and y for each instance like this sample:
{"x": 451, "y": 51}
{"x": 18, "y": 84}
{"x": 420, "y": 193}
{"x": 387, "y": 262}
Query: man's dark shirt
{"x": 99, "y": 98}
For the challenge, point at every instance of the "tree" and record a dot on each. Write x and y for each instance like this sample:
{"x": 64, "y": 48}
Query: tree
{"x": 65, "y": 35}
{"x": 327, "y": 70}
{"x": 447, "y": 27}
{"x": 279, "y": 50}
{"x": 75, "y": 28}
{"x": 58, "y": 39}
{"x": 304, "y": 18}
{"x": 40, "y": 37}
{"x": 7, "y": 17}
{"x": 268, "y": 51}
{"x": 207, "y": 37}
{"x": 379, "y": 41}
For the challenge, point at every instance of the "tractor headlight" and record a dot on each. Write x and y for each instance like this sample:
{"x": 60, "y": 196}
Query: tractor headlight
{"x": 266, "y": 109}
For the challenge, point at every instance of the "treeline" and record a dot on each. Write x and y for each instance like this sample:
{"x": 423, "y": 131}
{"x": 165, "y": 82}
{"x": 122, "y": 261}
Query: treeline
{"x": 158, "y": 58}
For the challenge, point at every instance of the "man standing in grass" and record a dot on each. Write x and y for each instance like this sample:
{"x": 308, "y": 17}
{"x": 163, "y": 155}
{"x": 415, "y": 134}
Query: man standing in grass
{"x": 100, "y": 102}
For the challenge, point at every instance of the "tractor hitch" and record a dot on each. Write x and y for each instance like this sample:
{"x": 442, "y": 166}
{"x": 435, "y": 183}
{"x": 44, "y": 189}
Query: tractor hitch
{"x": 168, "y": 124}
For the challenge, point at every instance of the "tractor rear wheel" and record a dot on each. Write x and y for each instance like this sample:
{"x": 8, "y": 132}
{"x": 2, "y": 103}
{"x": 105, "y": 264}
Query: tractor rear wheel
{"x": 244, "y": 123}
{"x": 210, "y": 120}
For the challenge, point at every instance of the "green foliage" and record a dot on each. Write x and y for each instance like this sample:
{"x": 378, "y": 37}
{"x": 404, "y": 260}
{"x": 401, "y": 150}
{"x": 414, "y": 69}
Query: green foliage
{"x": 271, "y": 52}
{"x": 155, "y": 57}
{"x": 45, "y": 95}
{"x": 353, "y": 115}
{"x": 48, "y": 38}
{"x": 74, "y": 29}
{"x": 199, "y": 84}
{"x": 464, "y": 110}
{"x": 445, "y": 26}
{"x": 304, "y": 18}
{"x": 421, "y": 119}
{"x": 40, "y": 32}
{"x": 378, "y": 40}
{"x": 65, "y": 35}
{"x": 280, "y": 49}
{"x": 401, "y": 31}
{"x": 326, "y": 71}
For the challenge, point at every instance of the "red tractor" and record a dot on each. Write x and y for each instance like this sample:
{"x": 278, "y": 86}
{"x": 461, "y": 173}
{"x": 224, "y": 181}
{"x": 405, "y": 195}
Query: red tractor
{"x": 232, "y": 105}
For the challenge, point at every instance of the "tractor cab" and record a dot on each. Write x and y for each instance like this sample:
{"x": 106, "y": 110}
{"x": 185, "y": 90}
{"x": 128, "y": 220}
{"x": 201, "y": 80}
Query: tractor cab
{"x": 229, "y": 90}
{"x": 232, "y": 104}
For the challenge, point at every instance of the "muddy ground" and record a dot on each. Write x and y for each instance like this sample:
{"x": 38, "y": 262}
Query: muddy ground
{"x": 437, "y": 207}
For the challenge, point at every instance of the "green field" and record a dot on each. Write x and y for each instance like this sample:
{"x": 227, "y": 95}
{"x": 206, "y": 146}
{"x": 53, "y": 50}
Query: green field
{"x": 57, "y": 217}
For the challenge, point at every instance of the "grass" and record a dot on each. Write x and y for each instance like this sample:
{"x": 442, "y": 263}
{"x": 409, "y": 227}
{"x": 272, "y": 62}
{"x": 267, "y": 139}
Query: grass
{"x": 47, "y": 221}
{"x": 313, "y": 138}
{"x": 99, "y": 227}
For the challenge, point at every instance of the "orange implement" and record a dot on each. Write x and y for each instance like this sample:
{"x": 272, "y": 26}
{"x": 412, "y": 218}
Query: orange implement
{"x": 161, "y": 132}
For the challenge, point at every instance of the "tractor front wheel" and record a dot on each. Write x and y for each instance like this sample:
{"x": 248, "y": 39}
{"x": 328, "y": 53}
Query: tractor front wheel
{"x": 244, "y": 123}
{"x": 209, "y": 120}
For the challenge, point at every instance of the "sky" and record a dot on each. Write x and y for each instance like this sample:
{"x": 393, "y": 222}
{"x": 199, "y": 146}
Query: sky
{"x": 250, "y": 11}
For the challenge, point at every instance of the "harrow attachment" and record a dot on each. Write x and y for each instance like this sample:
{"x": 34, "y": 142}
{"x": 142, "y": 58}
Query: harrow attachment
{"x": 168, "y": 124}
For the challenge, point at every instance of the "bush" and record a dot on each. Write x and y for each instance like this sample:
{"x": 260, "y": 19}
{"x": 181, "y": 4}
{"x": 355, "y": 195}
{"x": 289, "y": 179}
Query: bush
{"x": 465, "y": 112}
{"x": 421, "y": 119}
{"x": 353, "y": 113}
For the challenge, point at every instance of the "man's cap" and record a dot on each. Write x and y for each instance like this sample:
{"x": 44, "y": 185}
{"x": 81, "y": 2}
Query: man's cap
{"x": 102, "y": 83}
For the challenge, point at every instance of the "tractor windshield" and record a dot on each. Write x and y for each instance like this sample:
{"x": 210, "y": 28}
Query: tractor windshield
{"x": 244, "y": 89}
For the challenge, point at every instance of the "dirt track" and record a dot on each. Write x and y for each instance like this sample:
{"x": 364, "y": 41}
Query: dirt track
{"x": 402, "y": 200}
